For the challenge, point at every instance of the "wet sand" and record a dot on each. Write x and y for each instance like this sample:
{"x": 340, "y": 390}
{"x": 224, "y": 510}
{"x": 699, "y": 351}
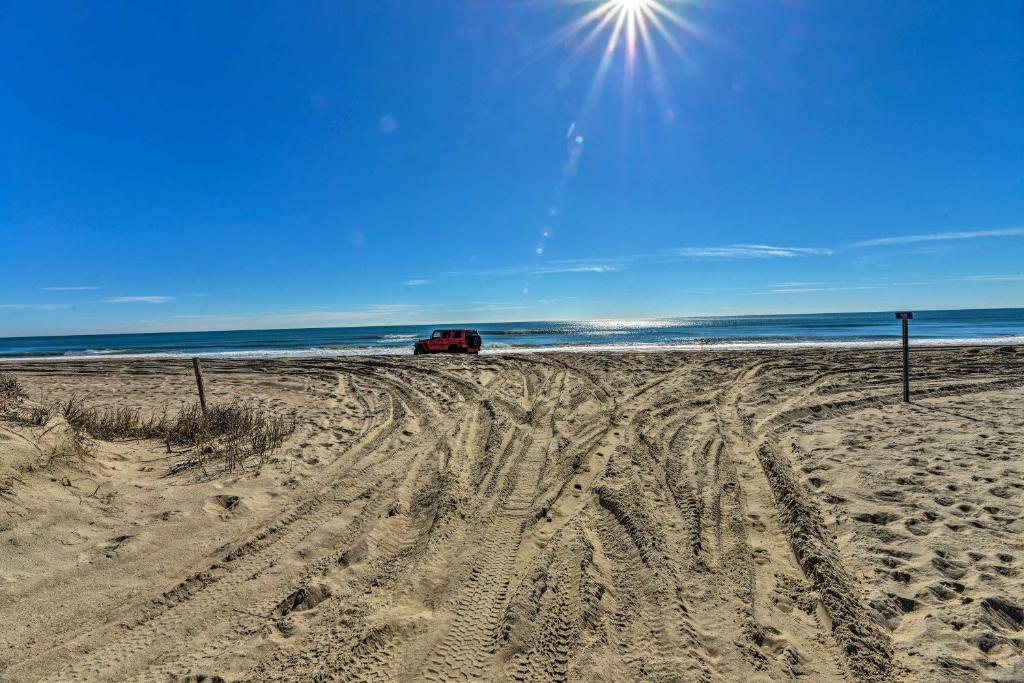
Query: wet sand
{"x": 701, "y": 516}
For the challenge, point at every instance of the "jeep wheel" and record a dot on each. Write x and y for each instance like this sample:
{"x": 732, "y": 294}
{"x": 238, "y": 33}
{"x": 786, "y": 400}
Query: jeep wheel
{"x": 454, "y": 348}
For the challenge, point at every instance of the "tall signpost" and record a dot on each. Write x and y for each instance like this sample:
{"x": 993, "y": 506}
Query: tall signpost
{"x": 905, "y": 317}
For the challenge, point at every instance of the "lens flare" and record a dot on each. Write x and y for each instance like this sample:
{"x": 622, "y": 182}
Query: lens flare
{"x": 633, "y": 28}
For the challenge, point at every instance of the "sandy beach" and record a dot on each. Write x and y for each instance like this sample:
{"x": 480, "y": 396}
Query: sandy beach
{"x": 710, "y": 516}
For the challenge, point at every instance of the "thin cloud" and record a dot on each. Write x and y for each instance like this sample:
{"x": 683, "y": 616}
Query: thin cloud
{"x": 578, "y": 269}
{"x": 805, "y": 290}
{"x": 311, "y": 317}
{"x": 940, "y": 236}
{"x": 35, "y": 307}
{"x": 993, "y": 278}
{"x": 416, "y": 283}
{"x": 611, "y": 265}
{"x": 750, "y": 251}
{"x": 138, "y": 300}
{"x": 69, "y": 289}
{"x": 283, "y": 318}
{"x": 537, "y": 270}
{"x": 391, "y": 309}
{"x": 493, "y": 307}
{"x": 800, "y": 284}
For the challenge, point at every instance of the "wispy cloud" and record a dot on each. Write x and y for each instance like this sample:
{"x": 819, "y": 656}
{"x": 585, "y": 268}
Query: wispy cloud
{"x": 554, "y": 268}
{"x": 35, "y": 307}
{"x": 613, "y": 264}
{"x": 578, "y": 269}
{"x": 314, "y": 317}
{"x": 138, "y": 300}
{"x": 993, "y": 278}
{"x": 750, "y": 251}
{"x": 390, "y": 309}
{"x": 484, "y": 308}
{"x": 69, "y": 289}
{"x": 940, "y": 236}
{"x": 416, "y": 283}
{"x": 804, "y": 290}
{"x": 801, "y": 284}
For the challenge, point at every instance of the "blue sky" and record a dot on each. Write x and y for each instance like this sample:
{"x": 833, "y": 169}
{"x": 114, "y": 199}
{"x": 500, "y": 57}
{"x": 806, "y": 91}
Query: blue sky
{"x": 183, "y": 166}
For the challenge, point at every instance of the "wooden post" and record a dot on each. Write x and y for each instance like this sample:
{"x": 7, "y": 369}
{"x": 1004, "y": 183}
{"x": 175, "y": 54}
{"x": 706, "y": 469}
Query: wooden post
{"x": 906, "y": 362}
{"x": 199, "y": 383}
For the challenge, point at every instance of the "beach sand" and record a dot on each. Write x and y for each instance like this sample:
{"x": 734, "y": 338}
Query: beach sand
{"x": 710, "y": 516}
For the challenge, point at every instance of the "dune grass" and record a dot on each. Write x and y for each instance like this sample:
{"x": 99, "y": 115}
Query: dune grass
{"x": 237, "y": 433}
{"x": 12, "y": 392}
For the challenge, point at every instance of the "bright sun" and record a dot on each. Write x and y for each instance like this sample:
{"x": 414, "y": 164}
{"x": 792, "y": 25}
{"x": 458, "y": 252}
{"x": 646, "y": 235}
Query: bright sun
{"x": 636, "y": 26}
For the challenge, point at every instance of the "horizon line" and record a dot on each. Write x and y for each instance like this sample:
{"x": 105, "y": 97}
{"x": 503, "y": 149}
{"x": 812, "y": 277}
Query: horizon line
{"x": 505, "y": 322}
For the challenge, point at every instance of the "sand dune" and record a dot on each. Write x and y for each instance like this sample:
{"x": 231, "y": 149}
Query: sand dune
{"x": 551, "y": 517}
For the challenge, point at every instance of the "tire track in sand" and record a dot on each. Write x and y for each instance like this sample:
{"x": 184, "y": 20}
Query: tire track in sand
{"x": 205, "y": 598}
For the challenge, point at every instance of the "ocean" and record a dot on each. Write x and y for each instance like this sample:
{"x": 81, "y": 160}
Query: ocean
{"x": 934, "y": 328}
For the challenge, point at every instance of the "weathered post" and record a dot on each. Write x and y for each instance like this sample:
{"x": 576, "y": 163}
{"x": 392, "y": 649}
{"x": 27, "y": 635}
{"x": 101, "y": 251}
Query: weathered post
{"x": 905, "y": 317}
{"x": 199, "y": 383}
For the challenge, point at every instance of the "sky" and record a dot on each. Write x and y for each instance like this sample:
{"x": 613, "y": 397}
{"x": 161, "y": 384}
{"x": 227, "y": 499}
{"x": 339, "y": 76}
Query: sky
{"x": 235, "y": 165}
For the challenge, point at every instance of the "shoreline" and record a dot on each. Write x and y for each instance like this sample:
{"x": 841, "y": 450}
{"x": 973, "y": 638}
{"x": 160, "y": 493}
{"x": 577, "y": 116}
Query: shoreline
{"x": 733, "y": 346}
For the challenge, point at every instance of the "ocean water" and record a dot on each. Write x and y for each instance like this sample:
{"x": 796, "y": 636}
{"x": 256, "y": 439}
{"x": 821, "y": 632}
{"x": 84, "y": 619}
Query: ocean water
{"x": 989, "y": 326}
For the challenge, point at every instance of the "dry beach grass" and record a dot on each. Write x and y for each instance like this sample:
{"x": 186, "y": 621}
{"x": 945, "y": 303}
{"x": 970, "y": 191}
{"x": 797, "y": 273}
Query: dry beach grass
{"x": 708, "y": 516}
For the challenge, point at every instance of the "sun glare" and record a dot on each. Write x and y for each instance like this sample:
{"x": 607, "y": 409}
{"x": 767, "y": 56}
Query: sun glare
{"x": 633, "y": 28}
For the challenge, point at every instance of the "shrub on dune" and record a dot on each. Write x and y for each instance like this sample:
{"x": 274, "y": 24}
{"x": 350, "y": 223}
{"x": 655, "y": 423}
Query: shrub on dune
{"x": 12, "y": 393}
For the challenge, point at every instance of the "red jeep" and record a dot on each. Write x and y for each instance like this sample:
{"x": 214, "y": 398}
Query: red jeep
{"x": 450, "y": 341}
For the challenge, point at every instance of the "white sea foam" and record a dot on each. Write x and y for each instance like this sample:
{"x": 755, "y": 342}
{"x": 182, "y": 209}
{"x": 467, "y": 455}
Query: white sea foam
{"x": 499, "y": 349}
{"x": 739, "y": 345}
{"x": 96, "y": 352}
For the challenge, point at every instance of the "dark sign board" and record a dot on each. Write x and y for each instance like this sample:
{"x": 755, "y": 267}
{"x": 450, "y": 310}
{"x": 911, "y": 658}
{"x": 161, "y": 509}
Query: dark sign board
{"x": 904, "y": 315}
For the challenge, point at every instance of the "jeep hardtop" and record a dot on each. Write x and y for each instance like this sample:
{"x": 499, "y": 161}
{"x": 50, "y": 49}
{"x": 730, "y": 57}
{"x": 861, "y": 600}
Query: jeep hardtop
{"x": 449, "y": 341}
